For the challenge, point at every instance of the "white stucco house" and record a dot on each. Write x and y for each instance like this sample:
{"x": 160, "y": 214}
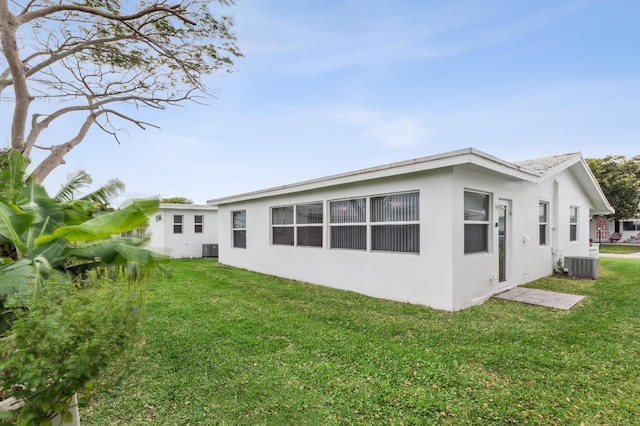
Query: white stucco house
{"x": 446, "y": 231}
{"x": 184, "y": 230}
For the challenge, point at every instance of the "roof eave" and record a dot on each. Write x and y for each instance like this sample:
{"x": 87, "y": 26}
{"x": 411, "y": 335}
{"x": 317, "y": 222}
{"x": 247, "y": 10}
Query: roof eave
{"x": 449, "y": 159}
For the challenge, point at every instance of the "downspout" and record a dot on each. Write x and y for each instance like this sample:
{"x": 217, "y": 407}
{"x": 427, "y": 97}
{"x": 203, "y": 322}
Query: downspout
{"x": 555, "y": 252}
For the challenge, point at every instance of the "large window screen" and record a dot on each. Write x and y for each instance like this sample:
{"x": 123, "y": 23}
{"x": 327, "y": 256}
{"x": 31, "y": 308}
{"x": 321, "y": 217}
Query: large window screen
{"x": 297, "y": 225}
{"x": 239, "y": 229}
{"x": 394, "y": 236}
{"x": 348, "y": 224}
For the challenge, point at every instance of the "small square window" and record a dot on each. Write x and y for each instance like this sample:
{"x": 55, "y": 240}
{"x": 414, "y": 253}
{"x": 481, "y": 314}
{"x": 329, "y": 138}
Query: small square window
{"x": 239, "y": 228}
{"x": 177, "y": 223}
{"x": 573, "y": 223}
{"x": 543, "y": 220}
{"x": 198, "y": 222}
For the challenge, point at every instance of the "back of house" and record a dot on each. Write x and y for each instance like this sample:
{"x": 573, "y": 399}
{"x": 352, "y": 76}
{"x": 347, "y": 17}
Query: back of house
{"x": 446, "y": 231}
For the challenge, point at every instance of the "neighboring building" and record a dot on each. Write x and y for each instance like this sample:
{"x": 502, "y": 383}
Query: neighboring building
{"x": 184, "y": 230}
{"x": 608, "y": 230}
{"x": 446, "y": 231}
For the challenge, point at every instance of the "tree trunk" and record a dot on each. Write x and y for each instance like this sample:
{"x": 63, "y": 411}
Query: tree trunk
{"x": 8, "y": 27}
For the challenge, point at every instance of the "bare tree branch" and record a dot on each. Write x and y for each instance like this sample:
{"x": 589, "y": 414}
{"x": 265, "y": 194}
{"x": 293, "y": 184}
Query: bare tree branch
{"x": 175, "y": 10}
{"x": 101, "y": 58}
{"x": 57, "y": 152}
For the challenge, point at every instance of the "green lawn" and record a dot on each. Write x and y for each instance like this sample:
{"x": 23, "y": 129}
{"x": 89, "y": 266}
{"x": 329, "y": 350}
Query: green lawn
{"x": 227, "y": 346}
{"x": 618, "y": 248}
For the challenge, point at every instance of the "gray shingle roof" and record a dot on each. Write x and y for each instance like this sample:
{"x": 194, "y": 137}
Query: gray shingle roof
{"x": 542, "y": 165}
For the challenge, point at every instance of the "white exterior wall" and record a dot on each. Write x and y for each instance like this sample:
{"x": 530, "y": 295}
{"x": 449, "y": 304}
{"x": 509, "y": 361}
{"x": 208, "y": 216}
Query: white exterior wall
{"x": 188, "y": 243}
{"x": 476, "y": 275}
{"x": 423, "y": 278}
{"x": 441, "y": 275}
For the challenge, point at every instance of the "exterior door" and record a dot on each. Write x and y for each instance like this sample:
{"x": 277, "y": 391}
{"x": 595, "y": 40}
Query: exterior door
{"x": 504, "y": 238}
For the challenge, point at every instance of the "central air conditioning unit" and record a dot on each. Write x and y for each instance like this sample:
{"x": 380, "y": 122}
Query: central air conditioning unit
{"x": 209, "y": 250}
{"x": 582, "y": 267}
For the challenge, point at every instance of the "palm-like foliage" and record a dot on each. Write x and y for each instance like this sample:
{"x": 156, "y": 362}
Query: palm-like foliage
{"x": 101, "y": 197}
{"x": 65, "y": 237}
{"x": 62, "y": 325}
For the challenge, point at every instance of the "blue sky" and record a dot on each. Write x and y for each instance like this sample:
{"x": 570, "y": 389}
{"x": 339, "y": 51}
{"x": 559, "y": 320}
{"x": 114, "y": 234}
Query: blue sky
{"x": 332, "y": 86}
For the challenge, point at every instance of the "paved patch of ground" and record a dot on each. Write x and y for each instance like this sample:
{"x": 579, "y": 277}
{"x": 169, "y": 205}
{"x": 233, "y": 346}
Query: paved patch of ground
{"x": 534, "y": 296}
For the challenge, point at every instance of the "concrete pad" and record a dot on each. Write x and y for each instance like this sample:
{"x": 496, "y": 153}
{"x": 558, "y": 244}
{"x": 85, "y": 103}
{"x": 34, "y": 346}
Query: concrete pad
{"x": 534, "y": 296}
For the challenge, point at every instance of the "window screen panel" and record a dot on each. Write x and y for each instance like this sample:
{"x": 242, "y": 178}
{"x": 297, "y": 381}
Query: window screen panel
{"x": 240, "y": 239}
{"x": 348, "y": 211}
{"x": 542, "y": 212}
{"x": 396, "y": 238}
{"x": 309, "y": 213}
{"x": 543, "y": 235}
{"x": 573, "y": 214}
{"x": 240, "y": 219}
{"x": 395, "y": 208}
{"x": 475, "y": 238}
{"x": 282, "y": 215}
{"x": 282, "y": 235}
{"x": 310, "y": 236}
{"x": 349, "y": 237}
{"x": 476, "y": 206}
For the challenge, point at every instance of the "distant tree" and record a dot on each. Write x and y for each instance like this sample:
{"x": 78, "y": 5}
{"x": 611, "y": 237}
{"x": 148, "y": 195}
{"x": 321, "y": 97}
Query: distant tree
{"x": 619, "y": 178}
{"x": 98, "y": 61}
{"x": 176, "y": 200}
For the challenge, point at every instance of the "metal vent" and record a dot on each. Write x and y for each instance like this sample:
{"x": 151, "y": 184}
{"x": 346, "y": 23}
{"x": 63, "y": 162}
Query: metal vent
{"x": 582, "y": 267}
{"x": 209, "y": 250}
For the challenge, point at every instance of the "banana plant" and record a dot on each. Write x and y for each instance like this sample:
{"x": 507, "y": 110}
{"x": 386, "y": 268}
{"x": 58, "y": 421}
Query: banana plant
{"x": 64, "y": 238}
{"x": 62, "y": 323}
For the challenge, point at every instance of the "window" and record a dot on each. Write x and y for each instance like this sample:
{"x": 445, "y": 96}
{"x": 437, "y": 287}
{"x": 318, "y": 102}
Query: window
{"x": 573, "y": 223}
{"x": 239, "y": 228}
{"x": 198, "y": 221}
{"x": 395, "y": 225}
{"x": 348, "y": 224}
{"x": 282, "y": 229}
{"x": 309, "y": 219}
{"x": 136, "y": 233}
{"x": 543, "y": 220}
{"x": 177, "y": 223}
{"x": 628, "y": 225}
{"x": 476, "y": 222}
{"x": 392, "y": 223}
{"x": 305, "y": 230}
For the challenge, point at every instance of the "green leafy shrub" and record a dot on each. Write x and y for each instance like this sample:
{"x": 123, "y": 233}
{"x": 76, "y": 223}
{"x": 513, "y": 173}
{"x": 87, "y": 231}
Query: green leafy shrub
{"x": 70, "y": 293}
{"x": 61, "y": 342}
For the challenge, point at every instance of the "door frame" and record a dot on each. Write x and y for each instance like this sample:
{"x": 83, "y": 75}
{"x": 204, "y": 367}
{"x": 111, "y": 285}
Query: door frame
{"x": 504, "y": 227}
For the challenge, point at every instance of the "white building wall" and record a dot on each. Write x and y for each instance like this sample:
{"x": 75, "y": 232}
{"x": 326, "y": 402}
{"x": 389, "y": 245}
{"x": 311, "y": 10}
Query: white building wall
{"x": 441, "y": 276}
{"x": 476, "y": 275}
{"x": 188, "y": 243}
{"x": 423, "y": 278}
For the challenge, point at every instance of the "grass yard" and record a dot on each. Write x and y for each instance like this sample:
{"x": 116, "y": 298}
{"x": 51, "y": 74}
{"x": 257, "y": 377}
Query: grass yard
{"x": 227, "y": 346}
{"x": 618, "y": 248}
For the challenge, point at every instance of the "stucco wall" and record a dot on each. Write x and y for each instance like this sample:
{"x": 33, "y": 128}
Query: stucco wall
{"x": 423, "y": 278}
{"x": 475, "y": 275}
{"x": 441, "y": 275}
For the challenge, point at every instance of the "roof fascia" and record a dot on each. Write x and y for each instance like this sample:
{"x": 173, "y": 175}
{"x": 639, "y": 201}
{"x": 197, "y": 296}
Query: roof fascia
{"x": 173, "y": 206}
{"x": 587, "y": 179}
{"x": 422, "y": 164}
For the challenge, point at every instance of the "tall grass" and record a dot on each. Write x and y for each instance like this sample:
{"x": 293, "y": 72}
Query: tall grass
{"x": 228, "y": 346}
